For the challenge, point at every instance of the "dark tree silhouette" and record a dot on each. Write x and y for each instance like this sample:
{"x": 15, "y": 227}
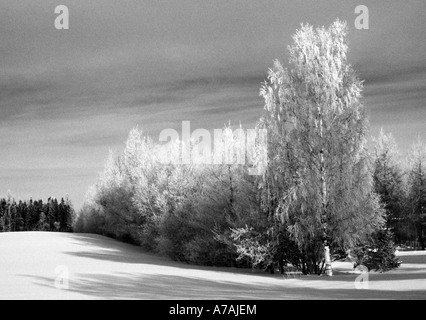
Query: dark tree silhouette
{"x": 35, "y": 215}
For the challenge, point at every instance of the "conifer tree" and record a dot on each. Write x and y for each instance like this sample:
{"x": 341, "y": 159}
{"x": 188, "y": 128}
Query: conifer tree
{"x": 389, "y": 184}
{"x": 417, "y": 191}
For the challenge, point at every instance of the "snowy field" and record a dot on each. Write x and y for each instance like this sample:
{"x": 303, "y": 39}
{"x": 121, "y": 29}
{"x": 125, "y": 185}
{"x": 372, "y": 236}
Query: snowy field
{"x": 102, "y": 268}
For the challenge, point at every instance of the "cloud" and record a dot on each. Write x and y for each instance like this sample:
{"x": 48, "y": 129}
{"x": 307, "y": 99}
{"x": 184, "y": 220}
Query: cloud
{"x": 403, "y": 73}
{"x": 397, "y": 103}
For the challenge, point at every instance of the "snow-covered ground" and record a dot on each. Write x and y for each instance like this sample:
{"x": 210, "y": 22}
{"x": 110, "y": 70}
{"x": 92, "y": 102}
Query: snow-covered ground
{"x": 34, "y": 265}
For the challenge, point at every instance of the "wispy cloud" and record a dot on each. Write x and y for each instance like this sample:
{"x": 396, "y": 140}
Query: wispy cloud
{"x": 397, "y": 103}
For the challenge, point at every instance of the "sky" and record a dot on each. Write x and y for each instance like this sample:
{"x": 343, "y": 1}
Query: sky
{"x": 68, "y": 96}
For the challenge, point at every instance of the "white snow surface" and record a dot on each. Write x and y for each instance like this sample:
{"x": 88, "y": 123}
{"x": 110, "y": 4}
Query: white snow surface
{"x": 102, "y": 268}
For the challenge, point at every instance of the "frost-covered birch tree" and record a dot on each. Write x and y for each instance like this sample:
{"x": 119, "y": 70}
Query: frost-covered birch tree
{"x": 318, "y": 182}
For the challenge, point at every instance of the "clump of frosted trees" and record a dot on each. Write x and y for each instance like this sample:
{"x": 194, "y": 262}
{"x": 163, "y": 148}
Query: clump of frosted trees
{"x": 182, "y": 210}
{"x": 322, "y": 195}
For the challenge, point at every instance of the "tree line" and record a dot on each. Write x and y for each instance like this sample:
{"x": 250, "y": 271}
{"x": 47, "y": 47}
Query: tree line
{"x": 323, "y": 194}
{"x": 30, "y": 215}
{"x": 401, "y": 184}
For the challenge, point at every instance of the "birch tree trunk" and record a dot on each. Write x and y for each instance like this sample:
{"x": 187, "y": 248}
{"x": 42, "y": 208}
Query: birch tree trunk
{"x": 328, "y": 268}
